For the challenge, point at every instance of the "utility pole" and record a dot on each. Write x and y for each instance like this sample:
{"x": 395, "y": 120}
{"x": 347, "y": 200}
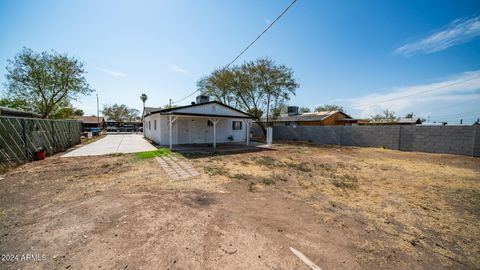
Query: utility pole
{"x": 170, "y": 103}
{"x": 461, "y": 121}
{"x": 98, "y": 115}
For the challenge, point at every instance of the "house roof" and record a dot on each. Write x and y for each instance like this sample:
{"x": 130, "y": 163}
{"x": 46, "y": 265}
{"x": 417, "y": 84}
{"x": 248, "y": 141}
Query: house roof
{"x": 16, "y": 112}
{"x": 311, "y": 116}
{"x": 409, "y": 121}
{"x": 176, "y": 110}
{"x": 150, "y": 109}
{"x": 90, "y": 119}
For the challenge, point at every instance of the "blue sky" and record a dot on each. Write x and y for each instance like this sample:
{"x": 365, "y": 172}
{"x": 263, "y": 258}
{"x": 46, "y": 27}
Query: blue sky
{"x": 354, "y": 53}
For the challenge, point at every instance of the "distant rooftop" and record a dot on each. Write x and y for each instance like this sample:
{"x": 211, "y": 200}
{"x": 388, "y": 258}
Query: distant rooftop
{"x": 6, "y": 111}
{"x": 310, "y": 116}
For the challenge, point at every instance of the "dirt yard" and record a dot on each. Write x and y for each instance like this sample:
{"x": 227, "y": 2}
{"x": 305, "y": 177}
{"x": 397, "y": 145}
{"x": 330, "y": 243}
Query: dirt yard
{"x": 342, "y": 207}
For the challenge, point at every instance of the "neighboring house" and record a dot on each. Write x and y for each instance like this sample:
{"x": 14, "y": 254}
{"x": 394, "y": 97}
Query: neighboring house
{"x": 203, "y": 122}
{"x": 326, "y": 118}
{"x": 401, "y": 121}
{"x": 409, "y": 121}
{"x": 6, "y": 111}
{"x": 89, "y": 122}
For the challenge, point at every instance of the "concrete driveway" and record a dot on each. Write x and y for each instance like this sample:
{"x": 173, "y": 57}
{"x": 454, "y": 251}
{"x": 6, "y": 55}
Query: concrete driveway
{"x": 121, "y": 143}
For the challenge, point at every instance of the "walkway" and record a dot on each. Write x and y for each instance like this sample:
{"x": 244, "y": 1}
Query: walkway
{"x": 111, "y": 144}
{"x": 177, "y": 168}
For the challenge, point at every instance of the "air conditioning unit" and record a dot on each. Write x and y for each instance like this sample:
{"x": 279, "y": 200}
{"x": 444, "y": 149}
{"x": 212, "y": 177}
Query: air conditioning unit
{"x": 203, "y": 99}
{"x": 292, "y": 110}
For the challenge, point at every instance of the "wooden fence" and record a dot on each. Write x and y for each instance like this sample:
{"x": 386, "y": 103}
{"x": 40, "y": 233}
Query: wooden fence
{"x": 21, "y": 138}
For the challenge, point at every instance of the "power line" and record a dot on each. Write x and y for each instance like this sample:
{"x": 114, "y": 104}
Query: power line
{"x": 457, "y": 114}
{"x": 417, "y": 93}
{"x": 248, "y": 47}
{"x": 182, "y": 99}
{"x": 263, "y": 32}
{"x": 450, "y": 106}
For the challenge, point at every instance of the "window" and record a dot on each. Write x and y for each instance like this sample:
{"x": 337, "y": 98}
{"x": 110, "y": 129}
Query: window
{"x": 155, "y": 124}
{"x": 237, "y": 125}
{"x": 209, "y": 123}
{"x": 149, "y": 125}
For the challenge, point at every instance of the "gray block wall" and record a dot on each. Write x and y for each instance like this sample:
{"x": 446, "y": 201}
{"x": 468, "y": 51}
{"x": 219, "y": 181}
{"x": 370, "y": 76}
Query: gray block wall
{"x": 460, "y": 140}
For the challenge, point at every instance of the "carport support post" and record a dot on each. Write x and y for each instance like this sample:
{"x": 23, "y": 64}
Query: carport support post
{"x": 170, "y": 123}
{"x": 214, "y": 122}
{"x": 247, "y": 127}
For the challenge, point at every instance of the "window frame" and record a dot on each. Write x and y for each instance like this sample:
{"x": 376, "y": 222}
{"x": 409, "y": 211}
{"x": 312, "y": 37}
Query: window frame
{"x": 240, "y": 127}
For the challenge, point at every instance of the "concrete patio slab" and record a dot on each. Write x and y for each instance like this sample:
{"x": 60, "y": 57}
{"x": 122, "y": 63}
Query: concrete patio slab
{"x": 111, "y": 144}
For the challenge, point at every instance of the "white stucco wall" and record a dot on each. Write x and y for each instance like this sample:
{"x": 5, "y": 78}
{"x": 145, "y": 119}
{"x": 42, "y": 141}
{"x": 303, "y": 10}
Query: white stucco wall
{"x": 196, "y": 130}
{"x": 150, "y": 131}
{"x": 192, "y": 130}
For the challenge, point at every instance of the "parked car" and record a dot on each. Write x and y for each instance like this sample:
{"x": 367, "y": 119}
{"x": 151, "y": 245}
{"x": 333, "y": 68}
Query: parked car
{"x": 128, "y": 128}
{"x": 113, "y": 129}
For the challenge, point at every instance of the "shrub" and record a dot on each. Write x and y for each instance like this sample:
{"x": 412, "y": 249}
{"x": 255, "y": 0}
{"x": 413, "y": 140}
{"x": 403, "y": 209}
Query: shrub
{"x": 298, "y": 166}
{"x": 254, "y": 187}
{"x": 241, "y": 176}
{"x": 265, "y": 161}
{"x": 216, "y": 170}
{"x": 345, "y": 181}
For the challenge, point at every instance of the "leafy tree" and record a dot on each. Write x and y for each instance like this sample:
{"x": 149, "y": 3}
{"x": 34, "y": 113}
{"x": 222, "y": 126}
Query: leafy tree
{"x": 65, "y": 110}
{"x": 329, "y": 107}
{"x": 278, "y": 110}
{"x": 168, "y": 106}
{"x": 275, "y": 81}
{"x": 15, "y": 103}
{"x": 78, "y": 112}
{"x": 412, "y": 116}
{"x": 258, "y": 87}
{"x": 120, "y": 113}
{"x": 45, "y": 80}
{"x": 143, "y": 98}
{"x": 304, "y": 110}
{"x": 386, "y": 117}
{"x": 220, "y": 85}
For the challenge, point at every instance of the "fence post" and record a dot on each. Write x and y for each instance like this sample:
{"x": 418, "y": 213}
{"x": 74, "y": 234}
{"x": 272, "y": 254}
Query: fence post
{"x": 54, "y": 143}
{"x": 341, "y": 135}
{"x": 400, "y": 137}
{"x": 24, "y": 138}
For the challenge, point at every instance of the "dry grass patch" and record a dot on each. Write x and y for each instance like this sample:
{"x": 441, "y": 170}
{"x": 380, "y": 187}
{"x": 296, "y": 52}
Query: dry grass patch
{"x": 411, "y": 202}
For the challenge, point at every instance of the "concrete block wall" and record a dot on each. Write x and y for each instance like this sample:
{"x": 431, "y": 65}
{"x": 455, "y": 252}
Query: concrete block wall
{"x": 386, "y": 136}
{"x": 460, "y": 140}
{"x": 476, "y": 143}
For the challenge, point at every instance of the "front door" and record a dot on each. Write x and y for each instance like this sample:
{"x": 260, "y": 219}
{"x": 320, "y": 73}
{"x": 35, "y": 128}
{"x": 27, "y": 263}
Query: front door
{"x": 199, "y": 130}
{"x": 183, "y": 131}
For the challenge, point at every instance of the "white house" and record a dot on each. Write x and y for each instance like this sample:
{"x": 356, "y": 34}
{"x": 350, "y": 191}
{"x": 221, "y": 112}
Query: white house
{"x": 203, "y": 122}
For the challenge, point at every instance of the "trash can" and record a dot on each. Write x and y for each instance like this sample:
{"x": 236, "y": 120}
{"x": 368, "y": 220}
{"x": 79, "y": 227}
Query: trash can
{"x": 40, "y": 154}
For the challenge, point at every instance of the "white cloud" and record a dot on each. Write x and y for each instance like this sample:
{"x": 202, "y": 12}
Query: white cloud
{"x": 417, "y": 98}
{"x": 113, "y": 73}
{"x": 178, "y": 69}
{"x": 457, "y": 32}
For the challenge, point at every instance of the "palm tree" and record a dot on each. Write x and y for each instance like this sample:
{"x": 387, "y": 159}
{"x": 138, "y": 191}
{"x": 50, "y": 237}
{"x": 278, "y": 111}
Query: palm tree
{"x": 144, "y": 98}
